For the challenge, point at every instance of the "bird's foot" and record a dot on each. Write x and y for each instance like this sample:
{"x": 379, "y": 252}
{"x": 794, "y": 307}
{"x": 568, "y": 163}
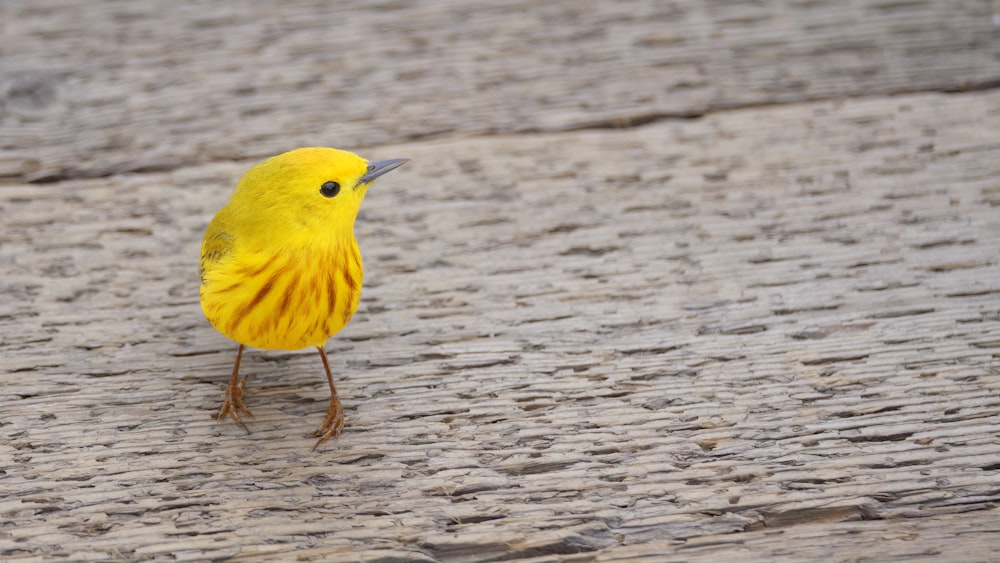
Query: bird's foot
{"x": 333, "y": 424}
{"x": 233, "y": 404}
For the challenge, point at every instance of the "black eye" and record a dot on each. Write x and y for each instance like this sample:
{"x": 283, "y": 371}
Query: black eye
{"x": 329, "y": 189}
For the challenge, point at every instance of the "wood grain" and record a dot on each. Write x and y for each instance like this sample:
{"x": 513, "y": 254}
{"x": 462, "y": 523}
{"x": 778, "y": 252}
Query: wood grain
{"x": 768, "y": 332}
{"x": 153, "y": 85}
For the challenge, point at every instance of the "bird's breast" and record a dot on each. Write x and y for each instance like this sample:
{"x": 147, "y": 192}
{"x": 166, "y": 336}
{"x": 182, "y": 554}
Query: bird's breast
{"x": 283, "y": 300}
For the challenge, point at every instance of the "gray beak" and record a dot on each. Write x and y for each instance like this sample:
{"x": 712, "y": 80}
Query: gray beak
{"x": 380, "y": 167}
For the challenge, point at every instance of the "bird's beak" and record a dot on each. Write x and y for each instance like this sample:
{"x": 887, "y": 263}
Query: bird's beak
{"x": 380, "y": 167}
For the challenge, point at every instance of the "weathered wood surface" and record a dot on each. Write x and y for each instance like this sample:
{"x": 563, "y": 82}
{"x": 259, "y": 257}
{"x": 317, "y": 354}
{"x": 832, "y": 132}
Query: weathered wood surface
{"x": 765, "y": 333}
{"x": 153, "y": 85}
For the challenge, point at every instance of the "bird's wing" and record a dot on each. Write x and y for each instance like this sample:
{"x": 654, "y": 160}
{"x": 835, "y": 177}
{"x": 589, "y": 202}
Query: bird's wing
{"x": 216, "y": 245}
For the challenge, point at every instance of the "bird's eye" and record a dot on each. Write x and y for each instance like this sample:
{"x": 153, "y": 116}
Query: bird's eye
{"x": 329, "y": 189}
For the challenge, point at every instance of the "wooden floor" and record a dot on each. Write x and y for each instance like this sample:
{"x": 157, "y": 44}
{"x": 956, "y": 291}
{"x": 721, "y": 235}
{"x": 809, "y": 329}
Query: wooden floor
{"x": 673, "y": 281}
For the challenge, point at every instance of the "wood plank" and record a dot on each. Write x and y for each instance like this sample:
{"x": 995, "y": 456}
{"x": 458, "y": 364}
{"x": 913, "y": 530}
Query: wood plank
{"x": 744, "y": 335}
{"x": 153, "y": 85}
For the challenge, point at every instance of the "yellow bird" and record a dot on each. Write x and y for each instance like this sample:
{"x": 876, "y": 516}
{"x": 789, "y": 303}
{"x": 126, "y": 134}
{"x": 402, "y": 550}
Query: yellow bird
{"x": 280, "y": 268}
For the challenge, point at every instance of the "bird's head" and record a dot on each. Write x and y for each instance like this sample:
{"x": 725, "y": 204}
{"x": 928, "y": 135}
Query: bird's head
{"x": 313, "y": 191}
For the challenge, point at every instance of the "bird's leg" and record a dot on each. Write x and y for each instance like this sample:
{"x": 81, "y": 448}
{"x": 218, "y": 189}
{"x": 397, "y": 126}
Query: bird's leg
{"x": 334, "y": 422}
{"x": 233, "y": 405}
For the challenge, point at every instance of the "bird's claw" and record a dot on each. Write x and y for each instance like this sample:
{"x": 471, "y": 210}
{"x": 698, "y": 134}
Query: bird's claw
{"x": 234, "y": 406}
{"x": 333, "y": 424}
